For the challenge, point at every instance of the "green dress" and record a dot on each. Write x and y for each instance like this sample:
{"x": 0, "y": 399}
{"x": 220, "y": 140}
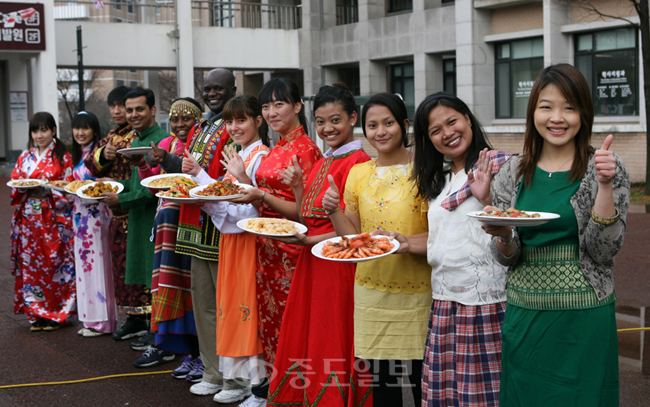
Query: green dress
{"x": 141, "y": 205}
{"x": 559, "y": 343}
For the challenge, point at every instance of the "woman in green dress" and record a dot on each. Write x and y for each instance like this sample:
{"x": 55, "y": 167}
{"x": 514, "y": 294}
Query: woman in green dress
{"x": 559, "y": 333}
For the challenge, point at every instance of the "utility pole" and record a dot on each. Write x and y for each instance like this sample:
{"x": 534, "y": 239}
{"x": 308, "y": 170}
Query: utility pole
{"x": 80, "y": 71}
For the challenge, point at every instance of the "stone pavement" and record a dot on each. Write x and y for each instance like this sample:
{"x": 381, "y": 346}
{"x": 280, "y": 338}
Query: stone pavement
{"x": 63, "y": 355}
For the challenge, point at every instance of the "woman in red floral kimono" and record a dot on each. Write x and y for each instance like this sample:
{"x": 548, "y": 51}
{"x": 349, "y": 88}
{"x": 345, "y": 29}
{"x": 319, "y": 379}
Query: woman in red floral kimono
{"x": 42, "y": 257}
{"x": 283, "y": 111}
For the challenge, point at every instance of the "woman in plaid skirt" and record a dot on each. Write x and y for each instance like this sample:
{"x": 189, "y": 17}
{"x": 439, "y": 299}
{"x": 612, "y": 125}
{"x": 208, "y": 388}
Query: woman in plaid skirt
{"x": 462, "y": 357}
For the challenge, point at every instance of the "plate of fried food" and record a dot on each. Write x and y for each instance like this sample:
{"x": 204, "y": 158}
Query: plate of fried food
{"x": 513, "y": 217}
{"x": 180, "y": 192}
{"x": 271, "y": 227}
{"x": 134, "y": 151}
{"x": 355, "y": 248}
{"x": 57, "y": 185}
{"x": 73, "y": 186}
{"x": 92, "y": 191}
{"x": 25, "y": 183}
{"x": 163, "y": 181}
{"x": 219, "y": 191}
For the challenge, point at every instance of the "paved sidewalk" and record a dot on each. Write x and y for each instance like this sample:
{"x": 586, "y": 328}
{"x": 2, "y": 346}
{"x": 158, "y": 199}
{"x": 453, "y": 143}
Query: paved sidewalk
{"x": 63, "y": 355}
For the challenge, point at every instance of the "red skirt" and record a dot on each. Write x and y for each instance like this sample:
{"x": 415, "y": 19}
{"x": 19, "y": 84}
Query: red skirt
{"x": 315, "y": 356}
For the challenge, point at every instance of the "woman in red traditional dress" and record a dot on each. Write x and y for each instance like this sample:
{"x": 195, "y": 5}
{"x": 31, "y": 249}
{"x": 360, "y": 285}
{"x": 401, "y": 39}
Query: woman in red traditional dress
{"x": 315, "y": 355}
{"x": 42, "y": 257}
{"x": 283, "y": 111}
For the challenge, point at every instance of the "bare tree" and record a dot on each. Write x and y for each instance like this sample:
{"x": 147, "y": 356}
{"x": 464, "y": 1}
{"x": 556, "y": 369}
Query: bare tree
{"x": 94, "y": 100}
{"x": 167, "y": 82}
{"x": 642, "y": 9}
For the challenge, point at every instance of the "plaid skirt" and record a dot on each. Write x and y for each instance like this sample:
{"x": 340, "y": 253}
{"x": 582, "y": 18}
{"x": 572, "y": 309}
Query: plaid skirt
{"x": 462, "y": 357}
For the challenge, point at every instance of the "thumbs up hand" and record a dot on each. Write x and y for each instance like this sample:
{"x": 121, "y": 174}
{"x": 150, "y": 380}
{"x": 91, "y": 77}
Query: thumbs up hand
{"x": 157, "y": 155}
{"x": 331, "y": 198}
{"x": 605, "y": 162}
{"x": 110, "y": 152}
{"x": 190, "y": 165}
{"x": 292, "y": 176}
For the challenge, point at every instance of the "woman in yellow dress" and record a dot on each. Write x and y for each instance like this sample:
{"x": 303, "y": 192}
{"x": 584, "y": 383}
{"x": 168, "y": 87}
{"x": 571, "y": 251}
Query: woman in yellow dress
{"x": 393, "y": 294}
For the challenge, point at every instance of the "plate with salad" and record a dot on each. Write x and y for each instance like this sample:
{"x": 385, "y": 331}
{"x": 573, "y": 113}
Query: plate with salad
{"x": 180, "y": 192}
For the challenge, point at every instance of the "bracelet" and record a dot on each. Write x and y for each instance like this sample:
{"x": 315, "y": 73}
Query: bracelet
{"x": 263, "y": 195}
{"x": 333, "y": 212}
{"x": 512, "y": 239}
{"x": 606, "y": 221}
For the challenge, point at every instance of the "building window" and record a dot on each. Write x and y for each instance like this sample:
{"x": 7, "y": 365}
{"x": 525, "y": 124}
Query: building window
{"x": 118, "y": 5}
{"x": 395, "y": 6}
{"x": 449, "y": 75}
{"x": 119, "y": 82}
{"x": 347, "y": 12}
{"x": 609, "y": 61}
{"x": 350, "y": 76}
{"x": 134, "y": 84}
{"x": 517, "y": 65}
{"x": 129, "y": 7}
{"x": 403, "y": 82}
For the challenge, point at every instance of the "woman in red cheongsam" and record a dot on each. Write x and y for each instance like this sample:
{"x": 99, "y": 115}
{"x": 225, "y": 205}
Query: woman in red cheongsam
{"x": 283, "y": 111}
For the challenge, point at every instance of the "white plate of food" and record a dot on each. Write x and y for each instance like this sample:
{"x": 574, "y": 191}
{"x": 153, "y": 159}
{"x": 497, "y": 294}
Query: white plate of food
{"x": 90, "y": 192}
{"x": 57, "y": 185}
{"x": 25, "y": 183}
{"x": 134, "y": 151}
{"x": 179, "y": 192}
{"x": 273, "y": 227}
{"x": 163, "y": 181}
{"x": 513, "y": 217}
{"x": 219, "y": 191}
{"x": 73, "y": 186}
{"x": 178, "y": 199}
{"x": 353, "y": 248}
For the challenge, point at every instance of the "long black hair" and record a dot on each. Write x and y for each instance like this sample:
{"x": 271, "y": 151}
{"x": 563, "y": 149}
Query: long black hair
{"x": 283, "y": 90}
{"x": 84, "y": 120}
{"x": 428, "y": 163}
{"x": 243, "y": 107}
{"x": 45, "y": 120}
{"x": 397, "y": 108}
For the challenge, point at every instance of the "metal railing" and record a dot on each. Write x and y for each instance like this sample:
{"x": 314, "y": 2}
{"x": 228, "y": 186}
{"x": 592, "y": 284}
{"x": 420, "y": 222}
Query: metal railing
{"x": 124, "y": 11}
{"x": 347, "y": 14}
{"x": 246, "y": 15}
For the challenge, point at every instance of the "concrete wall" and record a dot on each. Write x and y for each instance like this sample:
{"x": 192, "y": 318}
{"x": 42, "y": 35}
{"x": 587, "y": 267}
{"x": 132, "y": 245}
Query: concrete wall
{"x": 517, "y": 18}
{"x": 236, "y": 48}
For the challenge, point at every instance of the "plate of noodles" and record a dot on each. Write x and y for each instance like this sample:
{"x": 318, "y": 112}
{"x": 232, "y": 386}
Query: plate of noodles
{"x": 163, "y": 181}
{"x": 271, "y": 227}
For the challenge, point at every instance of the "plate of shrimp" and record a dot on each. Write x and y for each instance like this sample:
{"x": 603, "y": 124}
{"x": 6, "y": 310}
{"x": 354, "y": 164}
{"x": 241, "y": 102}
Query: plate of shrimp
{"x": 355, "y": 248}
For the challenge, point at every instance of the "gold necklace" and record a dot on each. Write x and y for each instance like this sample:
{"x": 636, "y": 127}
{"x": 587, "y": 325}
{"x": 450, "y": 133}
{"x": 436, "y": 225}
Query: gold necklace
{"x": 550, "y": 173}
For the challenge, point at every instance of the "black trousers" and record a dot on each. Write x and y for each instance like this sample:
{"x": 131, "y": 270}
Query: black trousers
{"x": 388, "y": 382}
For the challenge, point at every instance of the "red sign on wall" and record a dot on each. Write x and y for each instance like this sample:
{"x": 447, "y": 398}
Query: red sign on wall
{"x": 22, "y": 27}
